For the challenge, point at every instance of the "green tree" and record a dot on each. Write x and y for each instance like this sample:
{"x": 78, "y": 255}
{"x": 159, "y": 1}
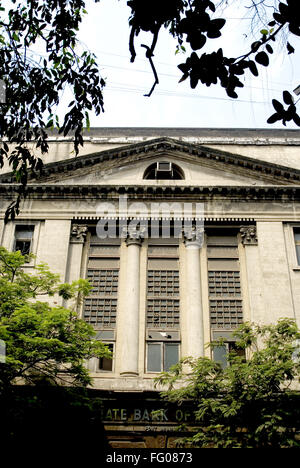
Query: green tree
{"x": 43, "y": 344}
{"x": 41, "y": 55}
{"x": 250, "y": 403}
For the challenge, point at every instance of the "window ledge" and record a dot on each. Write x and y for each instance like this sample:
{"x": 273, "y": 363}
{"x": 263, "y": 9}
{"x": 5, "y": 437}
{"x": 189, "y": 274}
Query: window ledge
{"x": 105, "y": 374}
{"x": 296, "y": 268}
{"x": 29, "y": 265}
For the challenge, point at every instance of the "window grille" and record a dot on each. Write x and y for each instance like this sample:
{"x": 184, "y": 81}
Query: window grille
{"x": 225, "y": 299}
{"x": 101, "y": 312}
{"x": 163, "y": 313}
{"x": 100, "y": 307}
{"x": 163, "y": 282}
{"x": 104, "y": 282}
{"x": 163, "y": 288}
{"x": 224, "y": 283}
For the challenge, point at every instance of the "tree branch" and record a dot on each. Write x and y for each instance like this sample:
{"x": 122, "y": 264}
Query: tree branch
{"x": 149, "y": 56}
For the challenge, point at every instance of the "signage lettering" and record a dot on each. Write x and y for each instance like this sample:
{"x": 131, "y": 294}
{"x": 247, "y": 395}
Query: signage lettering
{"x": 147, "y": 415}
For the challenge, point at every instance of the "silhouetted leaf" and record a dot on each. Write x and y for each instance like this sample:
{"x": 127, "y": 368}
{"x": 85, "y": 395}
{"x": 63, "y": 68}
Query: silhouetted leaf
{"x": 277, "y": 105}
{"x": 211, "y": 6}
{"x": 284, "y": 10}
{"x": 213, "y": 34}
{"x": 290, "y": 112}
{"x": 217, "y": 23}
{"x": 294, "y": 28}
{"x": 183, "y": 78}
{"x": 269, "y": 49}
{"x": 287, "y": 97}
{"x": 262, "y": 58}
{"x": 197, "y": 41}
{"x": 231, "y": 93}
{"x": 253, "y": 68}
{"x": 277, "y": 17}
{"x": 274, "y": 118}
{"x": 255, "y": 46}
{"x": 296, "y": 119}
{"x": 290, "y": 48}
{"x": 184, "y": 67}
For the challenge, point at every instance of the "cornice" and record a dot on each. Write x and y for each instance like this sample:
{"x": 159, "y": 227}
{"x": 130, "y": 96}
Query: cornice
{"x": 198, "y": 135}
{"x": 44, "y": 191}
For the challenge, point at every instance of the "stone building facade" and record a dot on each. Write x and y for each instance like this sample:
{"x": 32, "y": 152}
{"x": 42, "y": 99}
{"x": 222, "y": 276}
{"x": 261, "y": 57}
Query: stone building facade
{"x": 183, "y": 234}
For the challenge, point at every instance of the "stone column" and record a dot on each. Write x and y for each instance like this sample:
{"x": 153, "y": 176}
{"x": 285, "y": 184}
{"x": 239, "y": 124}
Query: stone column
{"x": 193, "y": 239}
{"x": 254, "y": 279}
{"x": 77, "y": 239}
{"x": 130, "y": 333}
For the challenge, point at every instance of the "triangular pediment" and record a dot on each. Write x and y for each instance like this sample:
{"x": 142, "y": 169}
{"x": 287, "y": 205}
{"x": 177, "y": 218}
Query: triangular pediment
{"x": 200, "y": 165}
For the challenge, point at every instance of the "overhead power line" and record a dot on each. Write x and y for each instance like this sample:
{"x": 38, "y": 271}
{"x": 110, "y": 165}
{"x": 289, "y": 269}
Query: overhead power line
{"x": 166, "y": 93}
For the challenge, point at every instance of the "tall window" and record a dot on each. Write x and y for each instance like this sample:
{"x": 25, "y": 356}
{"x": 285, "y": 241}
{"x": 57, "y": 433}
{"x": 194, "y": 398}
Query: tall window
{"x": 100, "y": 307}
{"x": 225, "y": 297}
{"x": 225, "y": 300}
{"x": 23, "y": 239}
{"x": 162, "y": 317}
{"x": 297, "y": 243}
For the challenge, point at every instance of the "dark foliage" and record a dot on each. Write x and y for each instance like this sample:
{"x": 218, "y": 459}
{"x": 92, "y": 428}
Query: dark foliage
{"x": 194, "y": 22}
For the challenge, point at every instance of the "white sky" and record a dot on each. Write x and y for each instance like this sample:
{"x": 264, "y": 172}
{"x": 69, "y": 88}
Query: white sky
{"x": 105, "y": 31}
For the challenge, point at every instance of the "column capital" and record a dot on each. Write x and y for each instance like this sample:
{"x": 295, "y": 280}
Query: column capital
{"x": 248, "y": 235}
{"x": 78, "y": 233}
{"x": 193, "y": 236}
{"x": 134, "y": 236}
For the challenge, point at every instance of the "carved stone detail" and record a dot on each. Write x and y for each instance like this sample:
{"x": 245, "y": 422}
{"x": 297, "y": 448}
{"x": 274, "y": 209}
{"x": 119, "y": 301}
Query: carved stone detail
{"x": 78, "y": 233}
{"x": 134, "y": 235}
{"x": 193, "y": 235}
{"x": 248, "y": 235}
